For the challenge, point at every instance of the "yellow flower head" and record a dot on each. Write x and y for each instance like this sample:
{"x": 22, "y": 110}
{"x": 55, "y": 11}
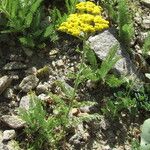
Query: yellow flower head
{"x": 87, "y": 20}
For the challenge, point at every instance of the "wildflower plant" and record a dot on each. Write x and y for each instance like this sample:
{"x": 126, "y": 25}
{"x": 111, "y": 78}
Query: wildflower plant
{"x": 85, "y": 21}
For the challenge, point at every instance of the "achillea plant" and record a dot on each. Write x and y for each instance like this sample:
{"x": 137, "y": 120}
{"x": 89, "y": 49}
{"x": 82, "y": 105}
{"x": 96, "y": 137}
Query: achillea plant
{"x": 85, "y": 21}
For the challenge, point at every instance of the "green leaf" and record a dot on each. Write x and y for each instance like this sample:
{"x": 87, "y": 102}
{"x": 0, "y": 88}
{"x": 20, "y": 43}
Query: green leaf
{"x": 67, "y": 89}
{"x": 27, "y": 41}
{"x": 49, "y": 31}
{"x": 109, "y": 62}
{"x": 91, "y": 57}
{"x": 113, "y": 81}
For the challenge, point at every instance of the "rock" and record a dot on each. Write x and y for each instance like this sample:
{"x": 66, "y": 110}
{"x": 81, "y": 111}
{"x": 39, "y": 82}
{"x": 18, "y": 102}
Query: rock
{"x": 60, "y": 63}
{"x": 53, "y": 53}
{"x": 13, "y": 121}
{"x": 42, "y": 88}
{"x": 14, "y": 66}
{"x": 9, "y": 93}
{"x": 9, "y": 135}
{"x": 5, "y": 82}
{"x": 31, "y": 70}
{"x": 1, "y": 136}
{"x": 25, "y": 102}
{"x": 138, "y": 18}
{"x": 103, "y": 42}
{"x": 15, "y": 57}
{"x": 10, "y": 145}
{"x": 3, "y": 147}
{"x": 13, "y": 145}
{"x": 28, "y": 83}
{"x": 43, "y": 97}
{"x": 146, "y": 2}
{"x": 146, "y": 22}
{"x": 141, "y": 37}
{"x": 88, "y": 109}
{"x": 80, "y": 137}
{"x": 74, "y": 112}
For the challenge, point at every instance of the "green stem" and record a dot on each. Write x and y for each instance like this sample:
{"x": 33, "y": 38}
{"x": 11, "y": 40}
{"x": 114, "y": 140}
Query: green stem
{"x": 78, "y": 76}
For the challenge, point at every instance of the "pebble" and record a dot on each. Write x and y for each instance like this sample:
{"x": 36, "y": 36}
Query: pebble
{"x": 14, "y": 66}
{"x": 9, "y": 93}
{"x": 13, "y": 121}
{"x": 53, "y": 53}
{"x": 42, "y": 88}
{"x": 146, "y": 22}
{"x": 14, "y": 57}
{"x": 60, "y": 63}
{"x": 13, "y": 145}
{"x": 5, "y": 82}
{"x": 43, "y": 97}
{"x": 25, "y": 102}
{"x": 9, "y": 135}
{"x": 29, "y": 83}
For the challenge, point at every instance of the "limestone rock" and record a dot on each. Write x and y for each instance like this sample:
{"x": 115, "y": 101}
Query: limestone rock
{"x": 80, "y": 137}
{"x": 146, "y": 22}
{"x": 9, "y": 93}
{"x": 14, "y": 66}
{"x": 8, "y": 135}
{"x": 103, "y": 42}
{"x": 42, "y": 88}
{"x": 25, "y": 102}
{"x": 5, "y": 82}
{"x": 13, "y": 121}
{"x": 28, "y": 83}
{"x": 13, "y": 145}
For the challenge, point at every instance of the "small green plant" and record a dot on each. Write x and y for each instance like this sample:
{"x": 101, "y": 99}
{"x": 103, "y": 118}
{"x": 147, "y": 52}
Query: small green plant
{"x": 58, "y": 17}
{"x": 27, "y": 21}
{"x": 110, "y": 6}
{"x": 125, "y": 23}
{"x": 19, "y": 14}
{"x": 43, "y": 130}
{"x": 118, "y": 104}
{"x": 135, "y": 145}
{"x": 131, "y": 100}
{"x": 113, "y": 81}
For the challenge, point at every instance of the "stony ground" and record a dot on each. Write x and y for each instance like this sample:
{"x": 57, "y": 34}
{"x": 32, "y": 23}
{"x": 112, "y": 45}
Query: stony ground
{"x": 20, "y": 73}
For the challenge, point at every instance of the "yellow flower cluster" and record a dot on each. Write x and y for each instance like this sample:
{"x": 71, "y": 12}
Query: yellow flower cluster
{"x": 85, "y": 21}
{"x": 89, "y": 7}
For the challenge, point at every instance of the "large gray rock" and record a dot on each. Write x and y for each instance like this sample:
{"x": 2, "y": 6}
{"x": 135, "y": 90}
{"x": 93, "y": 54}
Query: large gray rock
{"x": 13, "y": 121}
{"x": 103, "y": 42}
{"x": 5, "y": 82}
{"x": 28, "y": 83}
